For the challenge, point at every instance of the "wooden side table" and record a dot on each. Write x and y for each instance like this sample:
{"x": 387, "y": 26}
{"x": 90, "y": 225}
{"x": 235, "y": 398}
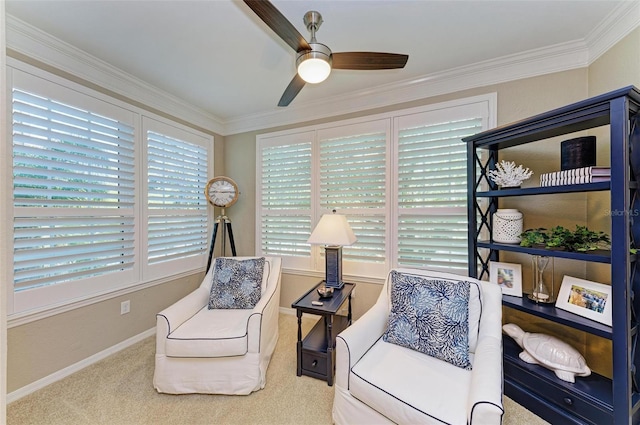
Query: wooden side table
{"x": 316, "y": 354}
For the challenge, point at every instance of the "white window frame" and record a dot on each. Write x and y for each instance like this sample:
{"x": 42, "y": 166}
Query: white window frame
{"x": 49, "y": 300}
{"x": 484, "y": 105}
{"x": 293, "y": 262}
{"x": 422, "y": 120}
{"x": 353, "y": 268}
{"x": 190, "y": 262}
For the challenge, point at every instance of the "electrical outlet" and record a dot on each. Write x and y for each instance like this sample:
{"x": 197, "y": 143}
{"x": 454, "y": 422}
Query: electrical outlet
{"x": 125, "y": 307}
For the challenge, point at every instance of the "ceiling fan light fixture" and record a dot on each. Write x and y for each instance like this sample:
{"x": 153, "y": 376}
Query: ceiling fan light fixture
{"x": 314, "y": 70}
{"x": 314, "y": 66}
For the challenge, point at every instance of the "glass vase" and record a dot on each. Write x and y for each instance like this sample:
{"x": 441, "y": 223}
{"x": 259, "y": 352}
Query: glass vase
{"x": 543, "y": 271}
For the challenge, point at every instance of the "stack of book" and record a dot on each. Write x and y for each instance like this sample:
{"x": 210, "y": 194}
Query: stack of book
{"x": 576, "y": 176}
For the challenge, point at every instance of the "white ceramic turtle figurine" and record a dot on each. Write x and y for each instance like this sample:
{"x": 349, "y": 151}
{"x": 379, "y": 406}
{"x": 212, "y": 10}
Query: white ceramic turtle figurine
{"x": 548, "y": 351}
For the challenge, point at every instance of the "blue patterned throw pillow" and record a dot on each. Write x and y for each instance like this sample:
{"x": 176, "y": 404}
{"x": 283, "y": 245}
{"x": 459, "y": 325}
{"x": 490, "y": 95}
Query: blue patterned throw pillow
{"x": 430, "y": 315}
{"x": 236, "y": 283}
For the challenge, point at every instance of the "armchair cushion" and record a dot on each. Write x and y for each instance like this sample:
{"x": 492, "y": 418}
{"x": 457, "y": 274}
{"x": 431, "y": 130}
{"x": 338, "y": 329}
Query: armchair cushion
{"x": 236, "y": 283}
{"x": 211, "y": 333}
{"x": 430, "y": 315}
{"x": 408, "y": 387}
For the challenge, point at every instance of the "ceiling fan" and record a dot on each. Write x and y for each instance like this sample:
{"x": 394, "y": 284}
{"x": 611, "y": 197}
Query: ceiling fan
{"x": 314, "y": 60}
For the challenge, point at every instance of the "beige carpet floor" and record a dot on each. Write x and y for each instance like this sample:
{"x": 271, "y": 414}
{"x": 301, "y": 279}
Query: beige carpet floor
{"x": 119, "y": 391}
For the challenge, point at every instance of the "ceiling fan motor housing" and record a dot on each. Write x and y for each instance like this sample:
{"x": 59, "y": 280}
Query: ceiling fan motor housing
{"x": 318, "y": 51}
{"x": 312, "y": 20}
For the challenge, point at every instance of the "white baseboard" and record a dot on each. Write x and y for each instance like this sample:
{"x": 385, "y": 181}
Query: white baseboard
{"x": 63, "y": 373}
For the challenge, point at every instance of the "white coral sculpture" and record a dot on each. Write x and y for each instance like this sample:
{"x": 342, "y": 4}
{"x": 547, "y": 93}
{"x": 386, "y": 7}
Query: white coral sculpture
{"x": 507, "y": 174}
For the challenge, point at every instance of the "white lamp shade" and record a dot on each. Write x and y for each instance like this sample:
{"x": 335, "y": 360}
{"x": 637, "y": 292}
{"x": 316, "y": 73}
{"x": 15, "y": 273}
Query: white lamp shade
{"x": 332, "y": 230}
{"x": 314, "y": 70}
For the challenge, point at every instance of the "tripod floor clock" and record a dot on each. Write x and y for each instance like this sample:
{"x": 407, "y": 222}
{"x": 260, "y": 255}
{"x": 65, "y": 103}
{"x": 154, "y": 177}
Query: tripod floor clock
{"x": 222, "y": 192}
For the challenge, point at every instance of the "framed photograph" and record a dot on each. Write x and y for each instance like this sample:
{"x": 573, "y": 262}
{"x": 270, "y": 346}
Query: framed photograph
{"x": 507, "y": 276}
{"x": 585, "y": 298}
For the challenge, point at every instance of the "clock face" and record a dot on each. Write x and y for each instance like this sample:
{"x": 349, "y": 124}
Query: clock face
{"x": 221, "y": 191}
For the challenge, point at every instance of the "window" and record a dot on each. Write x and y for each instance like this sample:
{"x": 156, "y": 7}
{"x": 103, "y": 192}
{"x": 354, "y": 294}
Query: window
{"x": 400, "y": 178}
{"x": 77, "y": 196}
{"x": 177, "y": 172}
{"x": 285, "y": 204}
{"x": 432, "y": 188}
{"x": 353, "y": 162}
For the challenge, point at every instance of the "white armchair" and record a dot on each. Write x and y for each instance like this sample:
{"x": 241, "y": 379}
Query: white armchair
{"x": 378, "y": 382}
{"x": 218, "y": 351}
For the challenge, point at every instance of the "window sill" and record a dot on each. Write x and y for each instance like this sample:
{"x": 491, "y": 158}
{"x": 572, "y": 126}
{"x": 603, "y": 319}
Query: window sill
{"x": 22, "y": 318}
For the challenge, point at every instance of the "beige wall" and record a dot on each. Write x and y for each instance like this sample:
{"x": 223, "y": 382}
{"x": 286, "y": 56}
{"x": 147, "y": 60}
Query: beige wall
{"x": 516, "y": 100}
{"x": 43, "y": 347}
{"x": 40, "y": 348}
{"x": 617, "y": 67}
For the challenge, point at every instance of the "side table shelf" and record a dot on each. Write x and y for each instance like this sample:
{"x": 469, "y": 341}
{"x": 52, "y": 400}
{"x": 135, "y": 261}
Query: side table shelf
{"x": 315, "y": 353}
{"x": 316, "y": 350}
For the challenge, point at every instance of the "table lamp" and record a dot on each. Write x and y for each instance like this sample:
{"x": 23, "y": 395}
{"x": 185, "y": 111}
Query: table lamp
{"x": 333, "y": 232}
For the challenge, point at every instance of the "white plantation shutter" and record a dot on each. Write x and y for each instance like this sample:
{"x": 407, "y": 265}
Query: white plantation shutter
{"x": 284, "y": 186}
{"x": 432, "y": 191}
{"x": 400, "y": 178}
{"x": 177, "y": 173}
{"x": 353, "y": 166}
{"x": 73, "y": 196}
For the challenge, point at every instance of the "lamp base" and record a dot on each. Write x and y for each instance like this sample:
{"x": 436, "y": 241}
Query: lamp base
{"x": 333, "y": 266}
{"x": 337, "y": 285}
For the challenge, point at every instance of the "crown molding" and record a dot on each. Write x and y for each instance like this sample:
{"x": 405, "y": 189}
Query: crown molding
{"x": 613, "y": 28}
{"x": 38, "y": 45}
{"x": 532, "y": 63}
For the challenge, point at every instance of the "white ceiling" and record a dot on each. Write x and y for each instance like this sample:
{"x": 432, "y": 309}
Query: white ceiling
{"x": 219, "y": 57}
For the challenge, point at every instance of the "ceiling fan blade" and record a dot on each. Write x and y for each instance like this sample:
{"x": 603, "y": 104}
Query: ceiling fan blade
{"x": 368, "y": 60}
{"x": 278, "y": 23}
{"x": 291, "y": 91}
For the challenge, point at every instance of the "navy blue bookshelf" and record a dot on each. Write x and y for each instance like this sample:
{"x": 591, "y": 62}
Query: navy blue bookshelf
{"x": 595, "y": 399}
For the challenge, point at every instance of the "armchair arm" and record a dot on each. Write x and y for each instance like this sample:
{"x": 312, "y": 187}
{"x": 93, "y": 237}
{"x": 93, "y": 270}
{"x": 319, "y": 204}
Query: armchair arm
{"x": 485, "y": 395}
{"x": 177, "y": 313}
{"x": 353, "y": 342}
{"x": 262, "y": 327}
